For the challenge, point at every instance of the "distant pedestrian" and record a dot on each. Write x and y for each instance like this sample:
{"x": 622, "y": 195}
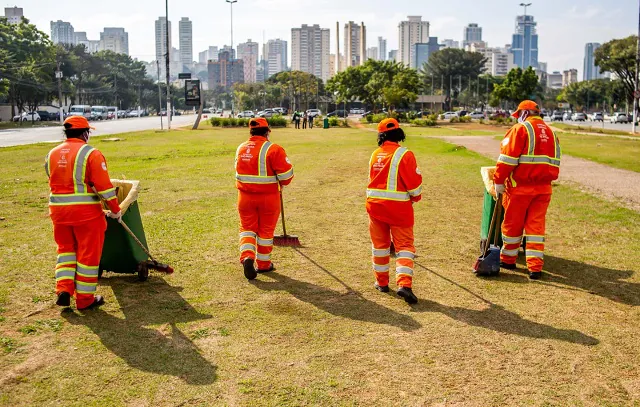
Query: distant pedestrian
{"x": 311, "y": 117}
{"x": 296, "y": 119}
{"x": 305, "y": 117}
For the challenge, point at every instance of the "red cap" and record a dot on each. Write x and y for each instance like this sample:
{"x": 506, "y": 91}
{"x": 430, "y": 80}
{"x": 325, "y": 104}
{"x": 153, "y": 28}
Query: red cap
{"x": 258, "y": 122}
{"x": 388, "y": 124}
{"x": 526, "y": 105}
{"x": 77, "y": 122}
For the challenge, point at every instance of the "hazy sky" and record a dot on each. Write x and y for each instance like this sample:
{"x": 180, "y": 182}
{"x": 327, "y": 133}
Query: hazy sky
{"x": 564, "y": 26}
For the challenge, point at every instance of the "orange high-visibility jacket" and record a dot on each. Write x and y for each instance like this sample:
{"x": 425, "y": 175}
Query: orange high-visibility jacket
{"x": 395, "y": 182}
{"x": 258, "y": 162}
{"x": 71, "y": 167}
{"x": 529, "y": 158}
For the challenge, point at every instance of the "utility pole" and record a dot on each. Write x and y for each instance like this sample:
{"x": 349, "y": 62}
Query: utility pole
{"x": 637, "y": 86}
{"x": 159, "y": 95}
{"x": 59, "y": 77}
{"x": 167, "y": 59}
{"x": 231, "y": 4}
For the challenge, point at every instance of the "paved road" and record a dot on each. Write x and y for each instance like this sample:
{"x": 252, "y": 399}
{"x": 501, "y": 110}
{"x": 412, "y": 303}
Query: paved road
{"x": 598, "y": 179}
{"x": 16, "y": 137}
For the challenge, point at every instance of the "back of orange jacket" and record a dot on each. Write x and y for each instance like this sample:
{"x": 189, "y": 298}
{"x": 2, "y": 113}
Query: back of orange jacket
{"x": 258, "y": 162}
{"x": 529, "y": 158}
{"x": 72, "y": 167}
{"x": 395, "y": 182}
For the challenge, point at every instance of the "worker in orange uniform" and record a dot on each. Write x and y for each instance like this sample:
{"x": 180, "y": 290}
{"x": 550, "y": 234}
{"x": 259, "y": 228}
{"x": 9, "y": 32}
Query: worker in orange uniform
{"x": 262, "y": 167}
{"x": 529, "y": 161}
{"x": 395, "y": 184}
{"x": 79, "y": 222}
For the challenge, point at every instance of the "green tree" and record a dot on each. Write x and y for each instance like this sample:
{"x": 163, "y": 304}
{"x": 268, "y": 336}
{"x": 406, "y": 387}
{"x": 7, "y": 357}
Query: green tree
{"x": 619, "y": 57}
{"x": 303, "y": 89}
{"x": 518, "y": 85}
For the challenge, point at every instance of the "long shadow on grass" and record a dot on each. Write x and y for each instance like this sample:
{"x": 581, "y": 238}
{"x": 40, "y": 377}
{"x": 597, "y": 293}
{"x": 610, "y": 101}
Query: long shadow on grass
{"x": 499, "y": 319}
{"x": 350, "y": 305}
{"x": 150, "y": 350}
{"x": 607, "y": 283}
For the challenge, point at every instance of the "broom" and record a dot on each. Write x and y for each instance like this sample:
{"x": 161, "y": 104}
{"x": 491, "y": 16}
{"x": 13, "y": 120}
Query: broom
{"x": 284, "y": 240}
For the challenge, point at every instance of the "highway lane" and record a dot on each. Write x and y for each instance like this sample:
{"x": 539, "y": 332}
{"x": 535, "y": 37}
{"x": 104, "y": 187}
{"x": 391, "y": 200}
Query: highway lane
{"x": 17, "y": 136}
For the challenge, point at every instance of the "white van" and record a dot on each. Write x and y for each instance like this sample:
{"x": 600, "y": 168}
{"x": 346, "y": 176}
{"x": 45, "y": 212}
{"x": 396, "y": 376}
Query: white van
{"x": 99, "y": 112}
{"x": 80, "y": 110}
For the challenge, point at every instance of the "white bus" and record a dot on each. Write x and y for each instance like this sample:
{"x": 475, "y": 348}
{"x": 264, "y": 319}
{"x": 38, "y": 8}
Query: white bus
{"x": 80, "y": 110}
{"x": 99, "y": 112}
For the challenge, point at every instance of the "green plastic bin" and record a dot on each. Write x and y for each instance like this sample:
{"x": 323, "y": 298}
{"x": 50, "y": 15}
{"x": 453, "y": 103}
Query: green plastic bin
{"x": 121, "y": 254}
{"x": 325, "y": 123}
{"x": 487, "y": 213}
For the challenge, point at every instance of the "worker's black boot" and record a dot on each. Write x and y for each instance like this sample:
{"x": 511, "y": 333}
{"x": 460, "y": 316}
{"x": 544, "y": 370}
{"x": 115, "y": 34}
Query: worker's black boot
{"x": 407, "y": 294}
{"x": 381, "y": 288}
{"x": 98, "y": 300}
{"x": 249, "y": 271}
{"x": 507, "y": 266}
{"x": 64, "y": 299}
{"x": 271, "y": 268}
{"x": 535, "y": 275}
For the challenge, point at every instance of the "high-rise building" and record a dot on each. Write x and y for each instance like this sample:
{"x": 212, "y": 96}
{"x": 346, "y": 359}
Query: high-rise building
{"x": 161, "y": 43}
{"x": 554, "y": 80}
{"x": 310, "y": 50}
{"x": 542, "y": 66}
{"x": 569, "y": 76}
{"x": 393, "y": 55}
{"x": 185, "y": 41}
{"x": 472, "y": 33}
{"x": 524, "y": 45}
{"x": 332, "y": 65}
{"x": 372, "y": 53}
{"x": 62, "y": 33}
{"x": 249, "y": 52}
{"x": 382, "y": 49}
{"x": 355, "y": 41}
{"x": 225, "y": 71}
{"x": 225, "y": 48}
{"x": 450, "y": 44}
{"x": 275, "y": 55}
{"x": 114, "y": 39}
{"x": 422, "y": 52}
{"x": 499, "y": 61}
{"x": 591, "y": 71}
{"x": 209, "y": 53}
{"x": 410, "y": 32}
{"x": 13, "y": 14}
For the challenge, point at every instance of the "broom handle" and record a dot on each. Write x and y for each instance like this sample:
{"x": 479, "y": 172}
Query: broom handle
{"x": 124, "y": 225}
{"x": 284, "y": 227}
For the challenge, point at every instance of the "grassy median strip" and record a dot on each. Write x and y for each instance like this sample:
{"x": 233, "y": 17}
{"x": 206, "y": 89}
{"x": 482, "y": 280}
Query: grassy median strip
{"x": 315, "y": 332}
{"x": 594, "y": 128}
{"x": 621, "y": 153}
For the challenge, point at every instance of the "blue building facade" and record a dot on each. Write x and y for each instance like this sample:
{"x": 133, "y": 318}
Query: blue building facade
{"x": 524, "y": 44}
{"x": 422, "y": 51}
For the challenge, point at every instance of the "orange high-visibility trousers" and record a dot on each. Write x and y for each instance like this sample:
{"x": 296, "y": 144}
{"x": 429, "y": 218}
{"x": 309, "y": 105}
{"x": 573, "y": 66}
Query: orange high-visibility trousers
{"x": 79, "y": 253}
{"x": 381, "y": 235}
{"x": 524, "y": 216}
{"x": 258, "y": 219}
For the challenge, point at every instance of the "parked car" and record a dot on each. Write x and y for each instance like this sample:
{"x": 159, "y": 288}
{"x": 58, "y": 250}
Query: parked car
{"x": 80, "y": 110}
{"x": 27, "y": 117}
{"x": 499, "y": 114}
{"x": 462, "y": 113}
{"x": 556, "y": 116}
{"x": 314, "y": 112}
{"x": 246, "y": 114}
{"x": 476, "y": 115}
{"x": 619, "y": 118}
{"x": 46, "y": 116}
{"x": 566, "y": 116}
{"x": 280, "y": 110}
{"x": 579, "y": 117}
{"x": 135, "y": 113}
{"x": 99, "y": 113}
{"x": 267, "y": 113}
{"x": 337, "y": 113}
{"x": 448, "y": 115}
{"x": 597, "y": 117}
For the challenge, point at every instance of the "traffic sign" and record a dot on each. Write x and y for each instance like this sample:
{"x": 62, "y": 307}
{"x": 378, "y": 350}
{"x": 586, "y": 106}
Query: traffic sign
{"x": 564, "y": 105}
{"x": 58, "y": 74}
{"x": 184, "y": 75}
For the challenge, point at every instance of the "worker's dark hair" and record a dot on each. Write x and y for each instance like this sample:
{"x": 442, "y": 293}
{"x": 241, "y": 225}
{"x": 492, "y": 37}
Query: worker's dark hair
{"x": 260, "y": 131}
{"x": 73, "y": 133}
{"x": 395, "y": 135}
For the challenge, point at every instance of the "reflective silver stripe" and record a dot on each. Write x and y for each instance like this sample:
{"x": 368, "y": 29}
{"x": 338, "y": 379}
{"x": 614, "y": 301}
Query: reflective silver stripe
{"x": 79, "y": 199}
{"x": 404, "y": 270}
{"x": 416, "y": 192}
{"x": 248, "y": 247}
{"x": 68, "y": 258}
{"x": 507, "y": 160}
{"x": 80, "y": 167}
{"x": 263, "y": 257}
{"x": 65, "y": 274}
{"x": 46, "y": 165}
{"x": 247, "y": 234}
{"x": 535, "y": 253}
{"x": 392, "y": 181}
{"x": 535, "y": 239}
{"x": 265, "y": 242}
{"x": 262, "y": 165}
{"x": 511, "y": 240}
{"x": 253, "y": 179}
{"x": 396, "y": 196}
{"x": 85, "y": 288}
{"x": 381, "y": 252}
{"x": 87, "y": 272}
{"x": 532, "y": 137}
{"x": 539, "y": 159}
{"x": 110, "y": 193}
{"x": 286, "y": 175}
{"x": 513, "y": 252}
{"x": 381, "y": 269}
{"x": 403, "y": 254}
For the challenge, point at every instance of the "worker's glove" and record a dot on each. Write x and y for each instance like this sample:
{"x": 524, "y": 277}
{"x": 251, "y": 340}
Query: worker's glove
{"x": 116, "y": 216}
{"x": 500, "y": 189}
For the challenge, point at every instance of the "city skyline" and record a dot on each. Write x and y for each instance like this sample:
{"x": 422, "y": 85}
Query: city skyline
{"x": 561, "y": 44}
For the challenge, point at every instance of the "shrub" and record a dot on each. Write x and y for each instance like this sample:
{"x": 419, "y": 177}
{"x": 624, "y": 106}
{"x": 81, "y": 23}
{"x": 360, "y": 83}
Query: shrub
{"x": 233, "y": 121}
{"x": 277, "y": 121}
{"x": 465, "y": 119}
{"x": 433, "y": 117}
{"x": 455, "y": 119}
{"x": 333, "y": 121}
{"x": 481, "y": 121}
{"x": 215, "y": 121}
{"x": 242, "y": 122}
{"x": 377, "y": 118}
{"x": 369, "y": 118}
{"x": 428, "y": 122}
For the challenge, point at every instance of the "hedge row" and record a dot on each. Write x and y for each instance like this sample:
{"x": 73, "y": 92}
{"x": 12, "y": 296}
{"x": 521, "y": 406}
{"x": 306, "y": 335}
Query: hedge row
{"x": 275, "y": 121}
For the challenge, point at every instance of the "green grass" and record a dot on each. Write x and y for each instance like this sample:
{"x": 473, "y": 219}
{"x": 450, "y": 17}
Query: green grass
{"x": 594, "y": 128}
{"x": 316, "y": 333}
{"x": 616, "y": 152}
{"x": 13, "y": 125}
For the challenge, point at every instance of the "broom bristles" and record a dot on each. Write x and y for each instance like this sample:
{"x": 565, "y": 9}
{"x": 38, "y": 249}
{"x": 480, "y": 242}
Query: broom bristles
{"x": 287, "y": 241}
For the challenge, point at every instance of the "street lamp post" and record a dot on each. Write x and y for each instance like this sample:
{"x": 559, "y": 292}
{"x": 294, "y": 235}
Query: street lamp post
{"x": 636, "y": 84}
{"x": 231, "y": 55}
{"x": 525, "y": 5}
{"x": 167, "y": 63}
